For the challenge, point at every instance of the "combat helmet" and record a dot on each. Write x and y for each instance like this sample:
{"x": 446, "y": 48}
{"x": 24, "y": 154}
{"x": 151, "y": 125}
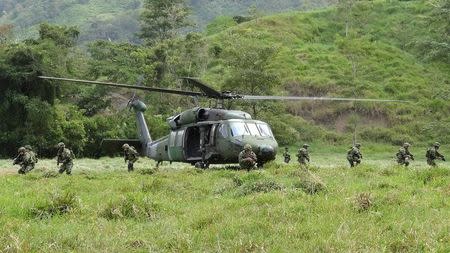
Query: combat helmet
{"x": 125, "y": 146}
{"x": 358, "y": 145}
{"x": 305, "y": 145}
{"x": 247, "y": 147}
{"x": 61, "y": 145}
{"x": 406, "y": 145}
{"x": 21, "y": 150}
{"x": 437, "y": 144}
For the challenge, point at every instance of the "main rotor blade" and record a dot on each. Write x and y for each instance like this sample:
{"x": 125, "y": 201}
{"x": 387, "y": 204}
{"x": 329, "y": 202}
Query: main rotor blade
{"x": 249, "y": 97}
{"x": 209, "y": 92}
{"x": 162, "y": 90}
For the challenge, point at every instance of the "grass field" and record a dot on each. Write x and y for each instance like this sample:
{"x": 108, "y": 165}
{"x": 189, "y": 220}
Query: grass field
{"x": 101, "y": 208}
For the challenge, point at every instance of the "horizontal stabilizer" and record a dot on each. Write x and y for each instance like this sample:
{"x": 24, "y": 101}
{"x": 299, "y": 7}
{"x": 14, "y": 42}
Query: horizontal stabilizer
{"x": 113, "y": 147}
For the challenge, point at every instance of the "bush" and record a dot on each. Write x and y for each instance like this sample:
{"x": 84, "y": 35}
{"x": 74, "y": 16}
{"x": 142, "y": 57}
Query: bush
{"x": 130, "y": 207}
{"x": 265, "y": 186}
{"x": 59, "y": 203}
{"x": 310, "y": 183}
{"x": 363, "y": 202}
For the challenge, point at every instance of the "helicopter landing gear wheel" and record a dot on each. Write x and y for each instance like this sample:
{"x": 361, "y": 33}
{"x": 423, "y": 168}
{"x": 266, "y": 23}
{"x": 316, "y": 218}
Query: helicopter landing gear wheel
{"x": 201, "y": 165}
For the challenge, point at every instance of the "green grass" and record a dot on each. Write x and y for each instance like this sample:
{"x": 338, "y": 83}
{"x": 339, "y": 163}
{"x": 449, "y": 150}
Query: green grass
{"x": 375, "y": 207}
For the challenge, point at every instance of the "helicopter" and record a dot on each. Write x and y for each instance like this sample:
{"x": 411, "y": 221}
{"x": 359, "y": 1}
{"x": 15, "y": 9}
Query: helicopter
{"x": 203, "y": 136}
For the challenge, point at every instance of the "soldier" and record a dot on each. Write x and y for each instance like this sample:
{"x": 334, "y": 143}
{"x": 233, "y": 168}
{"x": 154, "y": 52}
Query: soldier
{"x": 354, "y": 155}
{"x": 131, "y": 155}
{"x": 303, "y": 155}
{"x": 403, "y": 155}
{"x": 64, "y": 156}
{"x": 33, "y": 155}
{"x": 25, "y": 161}
{"x": 247, "y": 158}
{"x": 433, "y": 154}
{"x": 286, "y": 155}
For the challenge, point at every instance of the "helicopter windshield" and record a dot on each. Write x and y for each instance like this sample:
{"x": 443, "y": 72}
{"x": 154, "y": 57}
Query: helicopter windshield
{"x": 265, "y": 130}
{"x": 238, "y": 129}
{"x": 249, "y": 128}
{"x": 253, "y": 129}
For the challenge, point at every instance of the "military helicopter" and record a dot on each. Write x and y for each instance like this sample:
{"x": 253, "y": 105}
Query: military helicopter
{"x": 203, "y": 136}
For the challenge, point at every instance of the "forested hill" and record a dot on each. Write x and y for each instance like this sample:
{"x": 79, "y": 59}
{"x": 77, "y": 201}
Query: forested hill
{"x": 367, "y": 49}
{"x": 118, "y": 19}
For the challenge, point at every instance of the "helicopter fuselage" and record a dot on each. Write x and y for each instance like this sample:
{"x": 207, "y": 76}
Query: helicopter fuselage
{"x": 216, "y": 142}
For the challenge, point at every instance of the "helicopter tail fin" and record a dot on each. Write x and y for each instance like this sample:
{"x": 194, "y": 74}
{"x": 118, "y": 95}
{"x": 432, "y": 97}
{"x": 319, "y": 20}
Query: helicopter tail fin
{"x": 144, "y": 134}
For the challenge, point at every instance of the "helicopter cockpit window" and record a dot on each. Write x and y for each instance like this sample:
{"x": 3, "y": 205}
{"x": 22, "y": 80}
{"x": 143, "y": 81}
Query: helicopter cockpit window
{"x": 223, "y": 130}
{"x": 265, "y": 130}
{"x": 253, "y": 129}
{"x": 238, "y": 129}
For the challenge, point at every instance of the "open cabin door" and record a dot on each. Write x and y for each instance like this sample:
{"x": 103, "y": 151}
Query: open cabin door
{"x": 197, "y": 140}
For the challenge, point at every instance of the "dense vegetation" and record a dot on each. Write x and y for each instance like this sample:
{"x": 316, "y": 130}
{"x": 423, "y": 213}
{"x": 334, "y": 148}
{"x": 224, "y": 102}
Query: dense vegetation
{"x": 118, "y": 20}
{"x": 373, "y": 208}
{"x": 357, "y": 49}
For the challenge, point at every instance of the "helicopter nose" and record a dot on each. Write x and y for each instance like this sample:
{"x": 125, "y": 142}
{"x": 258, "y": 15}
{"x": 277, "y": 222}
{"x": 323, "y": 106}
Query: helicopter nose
{"x": 267, "y": 152}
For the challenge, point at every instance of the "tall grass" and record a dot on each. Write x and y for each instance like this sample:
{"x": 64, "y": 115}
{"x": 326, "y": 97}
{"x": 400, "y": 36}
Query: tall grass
{"x": 374, "y": 207}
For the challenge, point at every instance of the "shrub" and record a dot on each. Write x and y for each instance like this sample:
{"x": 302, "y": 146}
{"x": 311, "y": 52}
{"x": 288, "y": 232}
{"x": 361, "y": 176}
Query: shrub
{"x": 129, "y": 207}
{"x": 363, "y": 202}
{"x": 265, "y": 185}
{"x": 59, "y": 203}
{"x": 309, "y": 183}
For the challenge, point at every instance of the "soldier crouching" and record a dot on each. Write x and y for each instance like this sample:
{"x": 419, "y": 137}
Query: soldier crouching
{"x": 131, "y": 155}
{"x": 64, "y": 157}
{"x": 25, "y": 160}
{"x": 403, "y": 155}
{"x": 354, "y": 155}
{"x": 247, "y": 158}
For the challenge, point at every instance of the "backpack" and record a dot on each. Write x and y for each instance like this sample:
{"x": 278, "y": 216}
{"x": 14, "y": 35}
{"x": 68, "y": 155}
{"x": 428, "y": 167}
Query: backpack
{"x": 34, "y": 157}
{"x": 429, "y": 154}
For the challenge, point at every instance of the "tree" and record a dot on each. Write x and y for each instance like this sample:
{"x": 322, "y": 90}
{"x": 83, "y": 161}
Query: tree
{"x": 5, "y": 33}
{"x": 437, "y": 45}
{"x": 26, "y": 110}
{"x": 60, "y": 35}
{"x": 249, "y": 71}
{"x": 162, "y": 19}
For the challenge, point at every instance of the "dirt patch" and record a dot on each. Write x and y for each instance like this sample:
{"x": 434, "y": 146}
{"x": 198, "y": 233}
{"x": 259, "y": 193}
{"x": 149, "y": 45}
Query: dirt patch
{"x": 5, "y": 172}
{"x": 342, "y": 121}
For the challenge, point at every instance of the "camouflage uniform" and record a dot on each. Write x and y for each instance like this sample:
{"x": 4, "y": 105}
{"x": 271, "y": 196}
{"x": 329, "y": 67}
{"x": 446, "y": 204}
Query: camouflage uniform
{"x": 286, "y": 155}
{"x": 433, "y": 154}
{"x": 354, "y": 155}
{"x": 25, "y": 160}
{"x": 303, "y": 155}
{"x": 131, "y": 155}
{"x": 247, "y": 158}
{"x": 32, "y": 154}
{"x": 403, "y": 155}
{"x": 65, "y": 156}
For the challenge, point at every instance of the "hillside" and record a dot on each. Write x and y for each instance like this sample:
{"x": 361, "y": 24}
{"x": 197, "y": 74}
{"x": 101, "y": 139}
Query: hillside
{"x": 378, "y": 50}
{"x": 380, "y": 58}
{"x": 118, "y": 20}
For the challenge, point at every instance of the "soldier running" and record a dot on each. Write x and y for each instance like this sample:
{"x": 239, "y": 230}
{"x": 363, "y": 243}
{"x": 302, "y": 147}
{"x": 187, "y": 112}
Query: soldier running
{"x": 433, "y": 154}
{"x": 403, "y": 155}
{"x": 33, "y": 155}
{"x": 247, "y": 158}
{"x": 25, "y": 160}
{"x": 131, "y": 155}
{"x": 65, "y": 156}
{"x": 286, "y": 155}
{"x": 354, "y": 155}
{"x": 303, "y": 155}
